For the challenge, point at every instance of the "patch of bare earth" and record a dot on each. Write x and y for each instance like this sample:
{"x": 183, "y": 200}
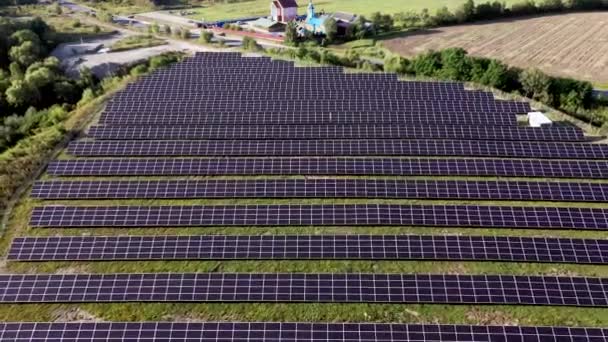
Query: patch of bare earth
{"x": 490, "y": 317}
{"x": 73, "y": 315}
{"x": 572, "y": 45}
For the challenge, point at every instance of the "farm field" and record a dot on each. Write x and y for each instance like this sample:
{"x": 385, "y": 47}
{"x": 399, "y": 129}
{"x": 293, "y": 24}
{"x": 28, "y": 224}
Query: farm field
{"x": 222, "y": 10}
{"x": 572, "y": 45}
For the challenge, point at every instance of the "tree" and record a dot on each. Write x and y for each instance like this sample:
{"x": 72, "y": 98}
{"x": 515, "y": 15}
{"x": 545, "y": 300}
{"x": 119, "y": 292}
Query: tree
{"x": 291, "y": 34}
{"x": 495, "y": 75}
{"x": 250, "y": 44}
{"x": 466, "y": 12}
{"x": 26, "y": 53}
{"x": 206, "y": 37}
{"x": 443, "y": 16}
{"x": 23, "y": 36}
{"x": 551, "y": 5}
{"x": 536, "y": 84}
{"x": 455, "y": 64}
{"x": 382, "y": 22}
{"x": 39, "y": 77}
{"x": 331, "y": 29}
{"x": 427, "y": 64}
{"x": 21, "y": 93}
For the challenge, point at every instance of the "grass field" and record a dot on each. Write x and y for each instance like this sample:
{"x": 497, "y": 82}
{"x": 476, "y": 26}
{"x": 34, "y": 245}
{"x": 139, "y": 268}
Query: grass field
{"x": 573, "y": 45}
{"x": 222, "y": 10}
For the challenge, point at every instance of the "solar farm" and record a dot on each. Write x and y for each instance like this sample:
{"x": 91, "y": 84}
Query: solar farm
{"x": 238, "y": 198}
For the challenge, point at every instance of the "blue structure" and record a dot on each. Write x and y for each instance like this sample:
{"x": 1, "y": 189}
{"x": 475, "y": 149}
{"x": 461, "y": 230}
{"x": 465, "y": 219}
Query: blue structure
{"x": 314, "y": 23}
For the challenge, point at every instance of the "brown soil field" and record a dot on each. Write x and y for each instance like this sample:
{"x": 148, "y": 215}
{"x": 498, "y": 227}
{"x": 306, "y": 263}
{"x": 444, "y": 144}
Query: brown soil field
{"x": 573, "y": 45}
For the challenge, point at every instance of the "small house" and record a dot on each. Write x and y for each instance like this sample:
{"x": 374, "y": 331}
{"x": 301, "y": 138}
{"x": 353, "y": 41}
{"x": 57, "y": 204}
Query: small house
{"x": 268, "y": 25}
{"x": 283, "y": 11}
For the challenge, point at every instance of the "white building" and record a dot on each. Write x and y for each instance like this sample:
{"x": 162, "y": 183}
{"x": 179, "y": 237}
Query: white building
{"x": 283, "y": 11}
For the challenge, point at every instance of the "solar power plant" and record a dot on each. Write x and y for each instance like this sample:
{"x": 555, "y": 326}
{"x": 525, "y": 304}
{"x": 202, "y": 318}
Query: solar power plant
{"x": 288, "y": 332}
{"x": 415, "y": 201}
{"x": 252, "y": 132}
{"x": 325, "y": 247}
{"x": 323, "y": 188}
{"x": 58, "y": 216}
{"x": 331, "y": 166}
{"x": 294, "y": 287}
{"x": 378, "y": 147}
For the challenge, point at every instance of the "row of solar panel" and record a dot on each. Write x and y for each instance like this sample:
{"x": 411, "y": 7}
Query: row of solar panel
{"x": 506, "y": 149}
{"x": 323, "y": 188}
{"x": 287, "y": 332}
{"x": 470, "y": 216}
{"x": 296, "y": 96}
{"x": 278, "y": 132}
{"x": 195, "y": 117}
{"x": 331, "y": 166}
{"x": 326, "y": 247}
{"x": 335, "y": 106}
{"x": 336, "y": 288}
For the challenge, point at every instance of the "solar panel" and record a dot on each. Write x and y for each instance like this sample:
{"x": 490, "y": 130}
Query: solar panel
{"x": 292, "y": 332}
{"x": 330, "y": 166}
{"x": 278, "y": 132}
{"x": 326, "y": 247}
{"x": 473, "y": 148}
{"x": 128, "y": 116}
{"x": 294, "y": 287}
{"x": 325, "y": 215}
{"x": 323, "y": 188}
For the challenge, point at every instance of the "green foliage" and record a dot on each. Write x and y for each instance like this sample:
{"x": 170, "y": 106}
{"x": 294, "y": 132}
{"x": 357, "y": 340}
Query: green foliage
{"x": 382, "y": 22}
{"x": 251, "y": 44}
{"x": 206, "y": 37}
{"x": 26, "y": 53}
{"x": 455, "y": 65}
{"x": 291, "y": 34}
{"x": 427, "y": 64}
{"x": 154, "y": 28}
{"x": 536, "y": 85}
{"x": 445, "y": 17}
{"x": 21, "y": 93}
{"x": 331, "y": 29}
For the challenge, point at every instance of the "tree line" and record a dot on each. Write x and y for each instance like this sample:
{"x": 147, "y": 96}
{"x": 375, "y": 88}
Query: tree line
{"x": 568, "y": 95}
{"x": 34, "y": 91}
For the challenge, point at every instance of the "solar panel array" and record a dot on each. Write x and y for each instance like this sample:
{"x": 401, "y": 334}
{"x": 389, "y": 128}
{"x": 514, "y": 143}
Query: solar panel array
{"x": 331, "y": 166}
{"x": 278, "y": 132}
{"x": 374, "y": 247}
{"x": 294, "y": 287}
{"x": 323, "y": 188}
{"x": 58, "y": 216}
{"x": 224, "y": 115}
{"x": 472, "y": 148}
{"x": 287, "y": 332}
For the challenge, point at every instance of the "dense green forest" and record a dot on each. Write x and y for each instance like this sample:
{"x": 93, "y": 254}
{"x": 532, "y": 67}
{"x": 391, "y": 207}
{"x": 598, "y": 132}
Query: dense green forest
{"x": 34, "y": 91}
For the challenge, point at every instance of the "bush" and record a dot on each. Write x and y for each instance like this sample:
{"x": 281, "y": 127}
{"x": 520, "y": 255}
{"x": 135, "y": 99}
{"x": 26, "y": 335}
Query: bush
{"x": 206, "y": 37}
{"x": 251, "y": 44}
